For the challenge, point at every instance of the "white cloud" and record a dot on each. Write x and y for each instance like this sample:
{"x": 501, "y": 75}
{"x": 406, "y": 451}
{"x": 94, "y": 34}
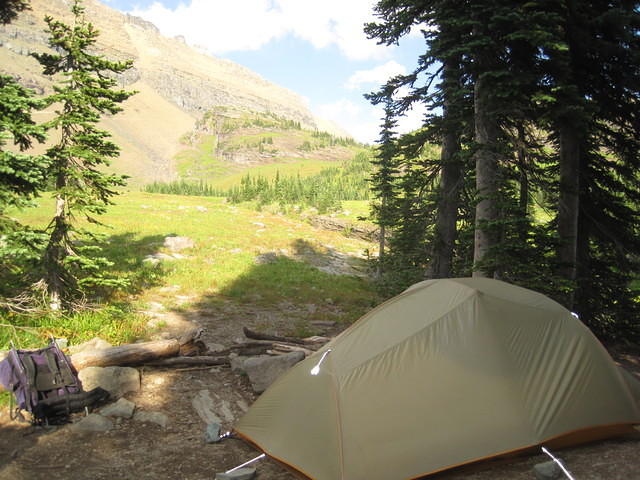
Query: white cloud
{"x": 358, "y": 119}
{"x": 363, "y": 121}
{"x": 376, "y": 76}
{"x": 226, "y": 26}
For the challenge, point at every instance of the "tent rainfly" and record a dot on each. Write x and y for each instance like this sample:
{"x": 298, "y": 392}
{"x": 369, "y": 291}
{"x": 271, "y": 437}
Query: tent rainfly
{"x": 449, "y": 372}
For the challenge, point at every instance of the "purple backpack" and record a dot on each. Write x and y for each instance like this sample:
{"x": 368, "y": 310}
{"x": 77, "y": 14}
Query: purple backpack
{"x": 45, "y": 384}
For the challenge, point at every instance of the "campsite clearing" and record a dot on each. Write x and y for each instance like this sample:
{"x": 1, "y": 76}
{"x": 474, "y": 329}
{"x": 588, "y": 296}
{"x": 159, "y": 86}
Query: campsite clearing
{"x": 138, "y": 450}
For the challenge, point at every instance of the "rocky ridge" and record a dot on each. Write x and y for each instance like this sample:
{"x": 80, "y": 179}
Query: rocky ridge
{"x": 176, "y": 83}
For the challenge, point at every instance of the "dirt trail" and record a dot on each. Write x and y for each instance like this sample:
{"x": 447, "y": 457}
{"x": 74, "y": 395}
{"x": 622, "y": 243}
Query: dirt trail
{"x": 134, "y": 450}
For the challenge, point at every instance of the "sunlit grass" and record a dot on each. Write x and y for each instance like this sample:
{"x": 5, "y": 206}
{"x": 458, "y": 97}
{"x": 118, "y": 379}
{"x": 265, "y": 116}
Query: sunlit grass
{"x": 221, "y": 266}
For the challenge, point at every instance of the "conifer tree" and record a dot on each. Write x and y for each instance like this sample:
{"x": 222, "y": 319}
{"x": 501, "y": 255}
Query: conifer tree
{"x": 9, "y": 9}
{"x": 383, "y": 180}
{"x": 85, "y": 91}
{"x": 22, "y": 176}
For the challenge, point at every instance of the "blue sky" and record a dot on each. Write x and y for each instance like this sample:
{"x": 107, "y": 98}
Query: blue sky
{"x": 314, "y": 47}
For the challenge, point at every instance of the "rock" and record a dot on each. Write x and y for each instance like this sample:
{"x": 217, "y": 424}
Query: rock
{"x": 3, "y": 355}
{"x": 214, "y": 347}
{"x": 547, "y": 471}
{"x": 158, "y": 418}
{"x": 123, "y": 408}
{"x": 175, "y": 244}
{"x": 116, "y": 380}
{"x": 237, "y": 363}
{"x": 158, "y": 257}
{"x": 240, "y": 474}
{"x": 264, "y": 369}
{"x": 266, "y": 258}
{"x": 203, "y": 404}
{"x": 62, "y": 342}
{"x": 200, "y": 208}
{"x": 95, "y": 343}
{"x": 92, "y": 423}
{"x": 212, "y": 434}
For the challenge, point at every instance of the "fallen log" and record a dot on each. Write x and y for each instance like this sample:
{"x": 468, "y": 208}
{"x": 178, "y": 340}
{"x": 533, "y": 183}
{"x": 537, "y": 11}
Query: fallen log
{"x": 129, "y": 354}
{"x": 180, "y": 361}
{"x": 138, "y": 353}
{"x": 283, "y": 348}
{"x": 275, "y": 338}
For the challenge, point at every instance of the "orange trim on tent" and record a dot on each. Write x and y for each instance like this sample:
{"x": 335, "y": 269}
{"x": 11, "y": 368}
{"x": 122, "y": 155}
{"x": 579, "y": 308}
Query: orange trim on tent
{"x": 572, "y": 438}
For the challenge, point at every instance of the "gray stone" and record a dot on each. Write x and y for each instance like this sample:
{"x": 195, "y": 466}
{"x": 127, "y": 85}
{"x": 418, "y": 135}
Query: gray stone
{"x": 116, "y": 380}
{"x": 203, "y": 404}
{"x": 246, "y": 473}
{"x": 92, "y": 423}
{"x": 122, "y": 408}
{"x": 264, "y": 369}
{"x": 175, "y": 244}
{"x": 547, "y": 471}
{"x": 214, "y": 347}
{"x": 237, "y": 363}
{"x": 158, "y": 418}
{"x": 96, "y": 343}
{"x": 212, "y": 433}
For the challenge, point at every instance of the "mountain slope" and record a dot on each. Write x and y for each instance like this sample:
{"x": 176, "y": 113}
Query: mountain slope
{"x": 177, "y": 84}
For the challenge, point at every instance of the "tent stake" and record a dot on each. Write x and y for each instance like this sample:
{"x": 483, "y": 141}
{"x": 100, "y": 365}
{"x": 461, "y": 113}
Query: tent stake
{"x": 246, "y": 463}
{"x": 559, "y": 463}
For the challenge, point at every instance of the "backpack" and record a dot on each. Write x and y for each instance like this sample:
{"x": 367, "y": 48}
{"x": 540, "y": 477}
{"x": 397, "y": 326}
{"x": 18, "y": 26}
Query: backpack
{"x": 45, "y": 384}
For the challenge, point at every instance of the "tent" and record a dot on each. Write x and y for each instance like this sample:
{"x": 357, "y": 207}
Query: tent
{"x": 447, "y": 373}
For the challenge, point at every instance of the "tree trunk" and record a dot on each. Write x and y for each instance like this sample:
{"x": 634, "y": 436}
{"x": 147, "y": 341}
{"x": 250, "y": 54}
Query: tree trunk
{"x": 568, "y": 204}
{"x": 55, "y": 254}
{"x": 450, "y": 182}
{"x": 521, "y": 155}
{"x": 486, "y": 157}
{"x": 381, "y": 249}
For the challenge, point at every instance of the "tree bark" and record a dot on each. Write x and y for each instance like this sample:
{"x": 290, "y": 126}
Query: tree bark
{"x": 568, "y": 204}
{"x": 450, "y": 182}
{"x": 486, "y": 158}
{"x": 190, "y": 361}
{"x": 276, "y": 338}
{"x": 130, "y": 354}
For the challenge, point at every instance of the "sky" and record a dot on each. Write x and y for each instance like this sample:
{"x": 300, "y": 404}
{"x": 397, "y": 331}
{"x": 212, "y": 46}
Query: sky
{"x": 316, "y": 48}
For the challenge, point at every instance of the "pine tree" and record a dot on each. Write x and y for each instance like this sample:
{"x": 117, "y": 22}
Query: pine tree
{"x": 22, "y": 176}
{"x": 9, "y": 9}
{"x": 383, "y": 180}
{"x": 85, "y": 93}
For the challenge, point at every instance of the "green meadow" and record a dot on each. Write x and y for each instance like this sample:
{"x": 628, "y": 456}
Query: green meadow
{"x": 222, "y": 267}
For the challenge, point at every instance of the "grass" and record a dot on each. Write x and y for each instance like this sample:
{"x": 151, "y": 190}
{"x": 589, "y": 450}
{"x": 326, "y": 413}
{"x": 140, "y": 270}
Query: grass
{"x": 284, "y": 167}
{"x": 221, "y": 267}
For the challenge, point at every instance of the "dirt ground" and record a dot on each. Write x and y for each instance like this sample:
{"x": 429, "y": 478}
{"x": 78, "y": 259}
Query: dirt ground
{"x": 134, "y": 450}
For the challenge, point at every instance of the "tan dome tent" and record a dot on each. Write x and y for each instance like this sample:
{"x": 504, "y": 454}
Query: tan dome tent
{"x": 449, "y": 372}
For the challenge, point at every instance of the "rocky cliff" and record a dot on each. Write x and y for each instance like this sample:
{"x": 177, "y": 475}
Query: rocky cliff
{"x": 176, "y": 83}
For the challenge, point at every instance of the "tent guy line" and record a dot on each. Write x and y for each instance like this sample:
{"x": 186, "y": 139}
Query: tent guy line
{"x": 559, "y": 463}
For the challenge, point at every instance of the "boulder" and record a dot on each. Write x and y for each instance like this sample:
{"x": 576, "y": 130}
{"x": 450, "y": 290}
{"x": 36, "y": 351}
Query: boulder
{"x": 175, "y": 244}
{"x": 203, "y": 404}
{"x": 547, "y": 471}
{"x": 240, "y": 474}
{"x": 237, "y": 362}
{"x": 123, "y": 408}
{"x": 158, "y": 418}
{"x": 212, "y": 434}
{"x": 116, "y": 380}
{"x": 92, "y": 423}
{"x": 264, "y": 369}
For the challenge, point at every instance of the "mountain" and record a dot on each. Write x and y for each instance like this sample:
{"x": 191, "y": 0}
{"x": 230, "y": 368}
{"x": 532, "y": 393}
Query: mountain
{"x": 176, "y": 84}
